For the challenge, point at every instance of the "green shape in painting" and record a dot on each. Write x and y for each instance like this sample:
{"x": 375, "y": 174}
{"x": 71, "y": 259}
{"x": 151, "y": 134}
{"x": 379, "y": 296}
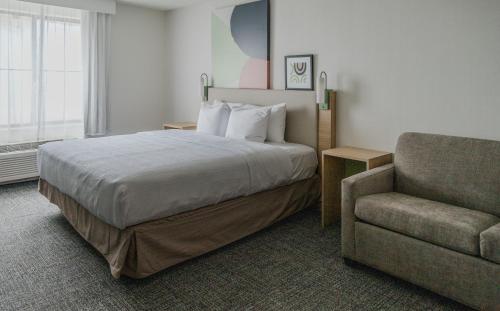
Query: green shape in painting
{"x": 227, "y": 58}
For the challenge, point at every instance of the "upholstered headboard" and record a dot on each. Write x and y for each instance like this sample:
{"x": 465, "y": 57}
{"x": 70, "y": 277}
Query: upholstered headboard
{"x": 302, "y": 115}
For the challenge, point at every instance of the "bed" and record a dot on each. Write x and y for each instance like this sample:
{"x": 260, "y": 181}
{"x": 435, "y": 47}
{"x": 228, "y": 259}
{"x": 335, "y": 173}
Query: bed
{"x": 151, "y": 200}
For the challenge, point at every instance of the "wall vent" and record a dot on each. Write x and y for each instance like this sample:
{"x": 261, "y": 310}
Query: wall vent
{"x": 18, "y": 166}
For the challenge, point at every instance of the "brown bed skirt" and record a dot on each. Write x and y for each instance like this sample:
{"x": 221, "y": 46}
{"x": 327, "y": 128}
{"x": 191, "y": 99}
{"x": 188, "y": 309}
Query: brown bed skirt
{"x": 144, "y": 249}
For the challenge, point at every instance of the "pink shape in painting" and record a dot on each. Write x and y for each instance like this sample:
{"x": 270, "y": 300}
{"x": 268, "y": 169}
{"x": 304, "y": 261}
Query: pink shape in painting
{"x": 254, "y": 74}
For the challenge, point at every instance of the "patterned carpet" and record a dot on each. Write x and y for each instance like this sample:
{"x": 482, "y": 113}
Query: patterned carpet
{"x": 293, "y": 265}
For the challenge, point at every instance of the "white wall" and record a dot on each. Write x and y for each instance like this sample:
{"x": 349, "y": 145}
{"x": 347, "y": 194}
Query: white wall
{"x": 399, "y": 65}
{"x": 188, "y": 49}
{"x": 138, "y": 70}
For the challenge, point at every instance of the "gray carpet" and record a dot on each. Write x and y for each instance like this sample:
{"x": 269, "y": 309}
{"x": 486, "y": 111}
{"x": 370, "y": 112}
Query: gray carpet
{"x": 294, "y": 265}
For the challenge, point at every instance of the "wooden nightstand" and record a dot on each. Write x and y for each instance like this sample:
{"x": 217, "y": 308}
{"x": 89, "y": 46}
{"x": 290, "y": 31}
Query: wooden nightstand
{"x": 180, "y": 126}
{"x": 334, "y": 170}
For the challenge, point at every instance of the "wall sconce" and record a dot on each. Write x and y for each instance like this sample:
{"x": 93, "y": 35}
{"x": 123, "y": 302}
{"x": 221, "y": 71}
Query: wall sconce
{"x": 204, "y": 87}
{"x": 322, "y": 93}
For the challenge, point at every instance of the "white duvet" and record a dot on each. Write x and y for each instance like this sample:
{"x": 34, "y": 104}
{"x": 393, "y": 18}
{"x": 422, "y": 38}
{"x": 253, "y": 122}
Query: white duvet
{"x": 129, "y": 179}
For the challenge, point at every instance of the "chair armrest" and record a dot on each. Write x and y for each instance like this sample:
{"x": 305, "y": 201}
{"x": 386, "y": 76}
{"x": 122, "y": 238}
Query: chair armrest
{"x": 377, "y": 180}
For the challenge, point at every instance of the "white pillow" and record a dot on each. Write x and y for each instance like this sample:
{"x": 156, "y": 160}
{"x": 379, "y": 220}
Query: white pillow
{"x": 277, "y": 124}
{"x": 248, "y": 124}
{"x": 241, "y": 106}
{"x": 213, "y": 118}
{"x": 277, "y": 120}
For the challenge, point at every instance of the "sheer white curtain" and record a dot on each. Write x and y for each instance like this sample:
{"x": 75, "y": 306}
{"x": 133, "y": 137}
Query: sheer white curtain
{"x": 40, "y": 72}
{"x": 95, "y": 44}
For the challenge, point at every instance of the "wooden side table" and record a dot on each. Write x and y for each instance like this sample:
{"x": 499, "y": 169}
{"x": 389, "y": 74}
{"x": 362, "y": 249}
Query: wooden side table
{"x": 180, "y": 126}
{"x": 333, "y": 171}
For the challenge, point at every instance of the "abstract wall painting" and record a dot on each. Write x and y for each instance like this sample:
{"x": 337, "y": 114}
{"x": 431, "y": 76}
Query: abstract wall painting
{"x": 299, "y": 72}
{"x": 240, "y": 46}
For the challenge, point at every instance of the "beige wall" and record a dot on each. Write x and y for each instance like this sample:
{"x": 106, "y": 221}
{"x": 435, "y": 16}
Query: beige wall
{"x": 399, "y": 65}
{"x": 138, "y": 70}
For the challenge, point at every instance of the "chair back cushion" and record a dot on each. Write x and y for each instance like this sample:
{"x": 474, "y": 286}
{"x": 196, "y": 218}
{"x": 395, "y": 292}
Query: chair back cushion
{"x": 454, "y": 170}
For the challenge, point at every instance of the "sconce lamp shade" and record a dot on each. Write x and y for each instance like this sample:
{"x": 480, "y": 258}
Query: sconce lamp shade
{"x": 322, "y": 91}
{"x": 204, "y": 87}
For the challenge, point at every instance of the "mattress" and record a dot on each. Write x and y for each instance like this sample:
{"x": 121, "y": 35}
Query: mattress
{"x": 130, "y": 179}
{"x": 304, "y": 159}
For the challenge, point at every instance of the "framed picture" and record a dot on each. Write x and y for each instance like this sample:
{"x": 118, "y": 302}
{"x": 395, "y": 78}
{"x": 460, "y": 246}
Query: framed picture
{"x": 240, "y": 45}
{"x": 299, "y": 72}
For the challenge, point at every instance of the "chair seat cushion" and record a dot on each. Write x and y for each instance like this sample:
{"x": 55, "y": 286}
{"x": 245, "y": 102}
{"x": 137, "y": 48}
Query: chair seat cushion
{"x": 442, "y": 224}
{"x": 490, "y": 243}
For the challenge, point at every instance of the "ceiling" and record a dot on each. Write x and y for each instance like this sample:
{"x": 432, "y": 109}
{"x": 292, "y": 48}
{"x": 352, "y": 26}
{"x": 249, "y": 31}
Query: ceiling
{"x": 161, "y": 4}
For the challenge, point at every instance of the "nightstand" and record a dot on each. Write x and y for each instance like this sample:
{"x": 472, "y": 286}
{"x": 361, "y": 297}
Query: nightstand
{"x": 180, "y": 126}
{"x": 334, "y": 170}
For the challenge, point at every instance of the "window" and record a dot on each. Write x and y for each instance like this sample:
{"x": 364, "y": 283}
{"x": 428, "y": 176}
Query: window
{"x": 40, "y": 73}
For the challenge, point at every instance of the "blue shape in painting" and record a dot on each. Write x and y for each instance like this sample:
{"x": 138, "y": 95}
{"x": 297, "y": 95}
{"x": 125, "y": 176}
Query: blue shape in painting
{"x": 249, "y": 28}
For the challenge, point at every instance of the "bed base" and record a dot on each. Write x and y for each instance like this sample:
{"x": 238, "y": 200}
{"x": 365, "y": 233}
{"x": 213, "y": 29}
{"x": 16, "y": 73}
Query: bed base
{"x": 144, "y": 249}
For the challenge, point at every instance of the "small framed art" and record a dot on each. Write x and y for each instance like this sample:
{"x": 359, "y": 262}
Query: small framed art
{"x": 299, "y": 72}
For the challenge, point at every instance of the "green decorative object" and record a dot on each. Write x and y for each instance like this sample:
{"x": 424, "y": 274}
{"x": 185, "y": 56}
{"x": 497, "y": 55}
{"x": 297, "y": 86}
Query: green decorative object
{"x": 322, "y": 92}
{"x": 354, "y": 167}
{"x": 204, "y": 87}
{"x": 326, "y": 104}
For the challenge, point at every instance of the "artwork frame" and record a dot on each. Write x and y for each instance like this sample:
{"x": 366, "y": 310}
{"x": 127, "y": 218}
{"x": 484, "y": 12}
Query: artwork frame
{"x": 291, "y": 82}
{"x": 241, "y": 53}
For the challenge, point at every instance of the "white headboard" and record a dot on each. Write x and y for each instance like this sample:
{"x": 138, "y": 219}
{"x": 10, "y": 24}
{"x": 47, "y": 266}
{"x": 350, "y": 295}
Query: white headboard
{"x": 302, "y": 115}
